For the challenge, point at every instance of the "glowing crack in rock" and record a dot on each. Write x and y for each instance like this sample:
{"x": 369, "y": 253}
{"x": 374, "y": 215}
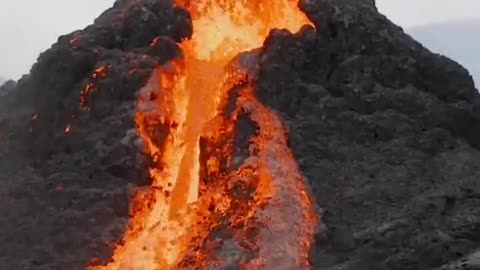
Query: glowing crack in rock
{"x": 98, "y": 74}
{"x": 213, "y": 203}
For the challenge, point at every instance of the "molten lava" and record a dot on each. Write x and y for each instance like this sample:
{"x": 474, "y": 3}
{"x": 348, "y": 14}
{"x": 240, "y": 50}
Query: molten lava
{"x": 98, "y": 74}
{"x": 226, "y": 189}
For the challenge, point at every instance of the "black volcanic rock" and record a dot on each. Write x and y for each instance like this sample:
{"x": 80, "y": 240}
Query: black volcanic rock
{"x": 65, "y": 195}
{"x": 387, "y": 133}
{"x": 6, "y": 87}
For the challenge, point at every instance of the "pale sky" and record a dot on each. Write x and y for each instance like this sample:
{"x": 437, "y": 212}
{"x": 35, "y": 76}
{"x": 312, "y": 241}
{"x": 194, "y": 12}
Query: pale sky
{"x": 409, "y": 13}
{"x": 28, "y": 27}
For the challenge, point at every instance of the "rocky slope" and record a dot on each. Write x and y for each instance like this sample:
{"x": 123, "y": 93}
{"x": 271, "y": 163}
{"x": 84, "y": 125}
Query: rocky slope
{"x": 387, "y": 133}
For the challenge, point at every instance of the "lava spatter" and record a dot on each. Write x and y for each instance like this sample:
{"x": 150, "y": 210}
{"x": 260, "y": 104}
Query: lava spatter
{"x": 98, "y": 74}
{"x": 210, "y": 205}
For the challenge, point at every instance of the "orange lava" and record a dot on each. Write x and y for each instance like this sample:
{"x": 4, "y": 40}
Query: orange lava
{"x": 67, "y": 129}
{"x": 74, "y": 42}
{"x": 98, "y": 74}
{"x": 200, "y": 184}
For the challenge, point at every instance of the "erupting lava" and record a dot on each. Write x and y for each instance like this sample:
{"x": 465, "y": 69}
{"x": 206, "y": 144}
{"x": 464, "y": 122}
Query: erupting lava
{"x": 226, "y": 189}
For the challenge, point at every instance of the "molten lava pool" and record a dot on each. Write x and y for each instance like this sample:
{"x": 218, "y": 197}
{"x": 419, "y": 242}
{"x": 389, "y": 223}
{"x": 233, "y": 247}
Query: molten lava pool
{"x": 226, "y": 191}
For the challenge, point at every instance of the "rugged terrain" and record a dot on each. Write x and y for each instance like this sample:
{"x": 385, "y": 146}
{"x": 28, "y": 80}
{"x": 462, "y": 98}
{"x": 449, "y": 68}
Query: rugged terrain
{"x": 386, "y": 132}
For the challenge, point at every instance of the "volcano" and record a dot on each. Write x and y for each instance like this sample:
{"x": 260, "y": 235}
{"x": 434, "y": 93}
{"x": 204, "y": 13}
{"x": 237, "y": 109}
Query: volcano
{"x": 240, "y": 135}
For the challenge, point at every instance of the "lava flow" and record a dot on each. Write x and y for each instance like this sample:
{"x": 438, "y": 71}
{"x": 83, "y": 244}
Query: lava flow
{"x": 226, "y": 190}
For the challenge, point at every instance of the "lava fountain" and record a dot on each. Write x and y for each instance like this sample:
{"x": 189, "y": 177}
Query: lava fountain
{"x": 226, "y": 190}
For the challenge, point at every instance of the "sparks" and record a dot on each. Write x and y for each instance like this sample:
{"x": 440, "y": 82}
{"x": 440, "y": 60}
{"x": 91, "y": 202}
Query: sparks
{"x": 67, "y": 129}
{"x": 154, "y": 42}
{"x": 74, "y": 42}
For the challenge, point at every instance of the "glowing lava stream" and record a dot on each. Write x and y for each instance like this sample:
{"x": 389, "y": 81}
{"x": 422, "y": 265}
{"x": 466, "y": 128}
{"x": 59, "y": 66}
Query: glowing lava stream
{"x": 173, "y": 220}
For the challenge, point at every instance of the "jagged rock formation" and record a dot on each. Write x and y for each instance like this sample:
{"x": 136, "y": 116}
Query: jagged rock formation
{"x": 65, "y": 197}
{"x": 387, "y": 133}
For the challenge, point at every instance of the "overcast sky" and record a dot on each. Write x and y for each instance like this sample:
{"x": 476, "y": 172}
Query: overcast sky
{"x": 28, "y": 27}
